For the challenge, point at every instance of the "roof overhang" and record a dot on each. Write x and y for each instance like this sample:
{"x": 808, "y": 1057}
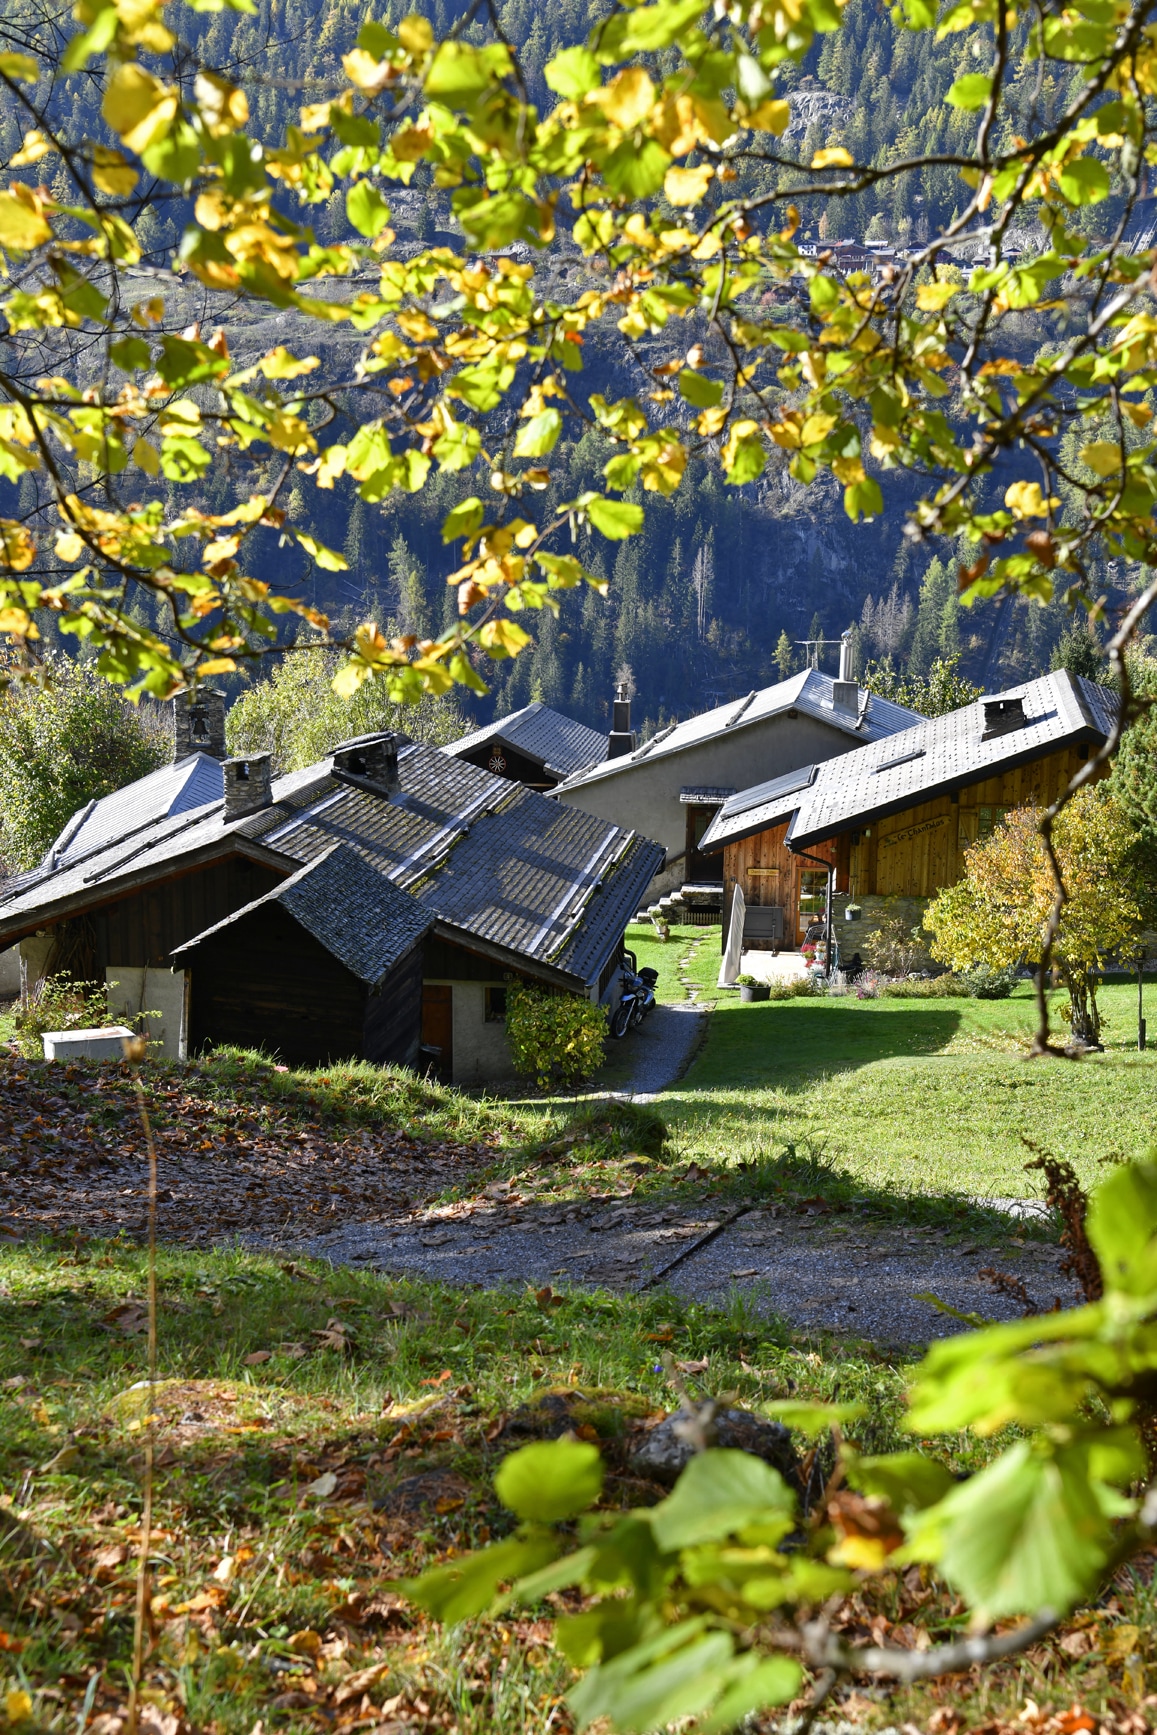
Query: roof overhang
{"x": 510, "y": 960}
{"x": 108, "y": 891}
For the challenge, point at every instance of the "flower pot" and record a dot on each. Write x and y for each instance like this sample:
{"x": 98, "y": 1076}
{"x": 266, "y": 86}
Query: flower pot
{"x": 761, "y": 991}
{"x": 852, "y": 913}
{"x": 747, "y": 991}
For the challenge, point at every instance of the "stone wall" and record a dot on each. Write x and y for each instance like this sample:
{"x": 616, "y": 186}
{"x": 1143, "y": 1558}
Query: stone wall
{"x": 851, "y": 936}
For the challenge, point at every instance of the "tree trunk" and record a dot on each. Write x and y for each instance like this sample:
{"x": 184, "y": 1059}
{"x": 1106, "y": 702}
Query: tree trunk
{"x": 1086, "y": 1020}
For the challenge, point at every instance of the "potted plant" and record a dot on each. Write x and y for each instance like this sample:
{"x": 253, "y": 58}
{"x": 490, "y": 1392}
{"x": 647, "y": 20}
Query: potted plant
{"x": 852, "y": 913}
{"x": 747, "y": 986}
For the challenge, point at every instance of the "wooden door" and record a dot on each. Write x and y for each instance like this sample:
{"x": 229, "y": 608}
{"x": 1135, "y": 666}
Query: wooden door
{"x": 438, "y": 1029}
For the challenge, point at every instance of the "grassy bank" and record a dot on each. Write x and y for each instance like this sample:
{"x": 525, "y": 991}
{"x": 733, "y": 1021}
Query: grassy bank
{"x": 321, "y": 1432}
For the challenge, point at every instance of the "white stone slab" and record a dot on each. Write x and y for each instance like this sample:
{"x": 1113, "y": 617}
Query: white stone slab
{"x": 107, "y": 1043}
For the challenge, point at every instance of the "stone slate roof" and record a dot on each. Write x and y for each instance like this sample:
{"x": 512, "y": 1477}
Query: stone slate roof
{"x": 165, "y": 793}
{"x": 358, "y": 915}
{"x": 809, "y": 693}
{"x": 560, "y": 745}
{"x": 488, "y": 860}
{"x": 939, "y": 754}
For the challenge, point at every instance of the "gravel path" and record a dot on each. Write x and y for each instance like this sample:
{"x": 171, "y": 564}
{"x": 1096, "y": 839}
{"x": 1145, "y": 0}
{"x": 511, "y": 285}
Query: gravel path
{"x": 662, "y": 1048}
{"x": 862, "y": 1280}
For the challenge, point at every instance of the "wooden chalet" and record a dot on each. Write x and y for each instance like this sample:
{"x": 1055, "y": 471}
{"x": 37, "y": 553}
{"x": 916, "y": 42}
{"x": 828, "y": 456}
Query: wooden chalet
{"x": 376, "y": 904}
{"x": 537, "y": 746}
{"x": 893, "y": 819}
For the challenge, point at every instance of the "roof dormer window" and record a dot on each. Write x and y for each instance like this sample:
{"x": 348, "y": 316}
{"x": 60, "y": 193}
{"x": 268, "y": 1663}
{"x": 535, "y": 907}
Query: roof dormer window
{"x": 1002, "y": 716}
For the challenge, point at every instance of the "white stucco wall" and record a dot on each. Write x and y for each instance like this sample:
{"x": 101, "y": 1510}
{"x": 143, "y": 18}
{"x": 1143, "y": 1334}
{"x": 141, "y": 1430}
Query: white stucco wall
{"x": 481, "y": 1052}
{"x": 645, "y": 796}
{"x": 10, "y": 973}
{"x": 165, "y": 993}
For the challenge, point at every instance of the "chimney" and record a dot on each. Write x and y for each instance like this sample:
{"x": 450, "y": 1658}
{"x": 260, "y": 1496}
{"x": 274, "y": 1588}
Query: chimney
{"x": 248, "y": 785}
{"x": 199, "y": 724}
{"x": 622, "y": 737}
{"x": 372, "y": 759}
{"x": 847, "y": 673}
{"x": 1002, "y": 716}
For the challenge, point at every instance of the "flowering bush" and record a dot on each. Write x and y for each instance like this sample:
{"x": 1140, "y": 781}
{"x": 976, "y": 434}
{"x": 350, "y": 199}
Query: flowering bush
{"x": 868, "y": 985}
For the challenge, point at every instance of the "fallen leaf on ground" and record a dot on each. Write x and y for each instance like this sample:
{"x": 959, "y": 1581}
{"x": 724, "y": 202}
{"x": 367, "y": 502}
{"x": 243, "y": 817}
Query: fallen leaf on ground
{"x": 440, "y": 1379}
{"x": 692, "y": 1367}
{"x": 306, "y": 1643}
{"x": 359, "y": 1683}
{"x": 257, "y": 1357}
{"x": 322, "y": 1485}
{"x": 749, "y": 1271}
{"x": 130, "y": 1317}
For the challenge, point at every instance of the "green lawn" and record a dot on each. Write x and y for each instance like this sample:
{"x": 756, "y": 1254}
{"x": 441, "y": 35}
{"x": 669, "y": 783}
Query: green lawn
{"x": 930, "y": 1096}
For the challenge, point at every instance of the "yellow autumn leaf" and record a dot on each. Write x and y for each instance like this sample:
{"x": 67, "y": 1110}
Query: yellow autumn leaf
{"x": 22, "y": 225}
{"x": 222, "y": 105}
{"x": 34, "y": 147}
{"x": 415, "y": 33}
{"x": 770, "y": 117}
{"x": 138, "y": 107}
{"x": 363, "y": 70}
{"x": 17, "y": 1705}
{"x": 1024, "y": 499}
{"x": 69, "y": 545}
{"x": 711, "y": 420}
{"x": 849, "y": 471}
{"x": 416, "y": 326}
{"x": 1103, "y": 457}
{"x": 280, "y": 365}
{"x": 146, "y": 458}
{"x": 111, "y": 173}
{"x": 290, "y": 434}
{"x": 687, "y": 186}
{"x": 629, "y": 97}
{"x": 931, "y": 297}
{"x": 816, "y": 428}
{"x": 217, "y": 666}
{"x": 18, "y": 622}
{"x": 17, "y": 548}
{"x": 502, "y": 638}
{"x": 832, "y": 157}
{"x": 21, "y": 66}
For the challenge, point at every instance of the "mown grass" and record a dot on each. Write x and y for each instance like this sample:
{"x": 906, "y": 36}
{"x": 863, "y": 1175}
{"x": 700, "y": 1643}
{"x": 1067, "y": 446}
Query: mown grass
{"x": 914, "y": 1096}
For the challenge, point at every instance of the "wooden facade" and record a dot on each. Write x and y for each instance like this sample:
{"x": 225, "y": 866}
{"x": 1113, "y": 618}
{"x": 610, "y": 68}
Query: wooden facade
{"x": 913, "y": 853}
{"x": 264, "y": 981}
{"x": 503, "y": 761}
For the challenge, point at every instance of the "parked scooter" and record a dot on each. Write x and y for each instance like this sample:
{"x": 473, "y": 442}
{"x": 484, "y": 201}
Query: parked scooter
{"x": 636, "y": 997}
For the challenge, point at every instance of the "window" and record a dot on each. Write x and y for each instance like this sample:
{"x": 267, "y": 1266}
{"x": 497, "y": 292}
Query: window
{"x": 813, "y": 892}
{"x": 496, "y": 1005}
{"x": 987, "y": 820}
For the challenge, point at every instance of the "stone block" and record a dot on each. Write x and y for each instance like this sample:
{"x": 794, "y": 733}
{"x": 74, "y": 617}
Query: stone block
{"x": 107, "y": 1043}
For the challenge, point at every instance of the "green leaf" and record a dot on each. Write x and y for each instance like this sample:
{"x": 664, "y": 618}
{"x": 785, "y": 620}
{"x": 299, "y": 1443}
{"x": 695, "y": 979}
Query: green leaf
{"x": 376, "y": 39}
{"x": 672, "y": 1675}
{"x": 810, "y": 1419}
{"x": 1122, "y": 1223}
{"x": 703, "y": 393}
{"x": 573, "y": 73}
{"x": 130, "y": 353}
{"x": 614, "y": 519}
{"x": 1026, "y": 1533}
{"x": 636, "y": 171}
{"x": 469, "y": 1585}
{"x": 748, "y": 459}
{"x": 177, "y": 157}
{"x": 720, "y": 1492}
{"x": 461, "y": 74}
{"x": 1085, "y": 181}
{"x": 751, "y": 1683}
{"x": 466, "y": 675}
{"x": 863, "y": 500}
{"x": 184, "y": 362}
{"x": 366, "y": 209}
{"x": 551, "y": 1480}
{"x": 823, "y": 294}
{"x": 458, "y": 447}
{"x": 1102, "y": 456}
{"x": 908, "y": 1481}
{"x": 465, "y": 518}
{"x": 622, "y": 471}
{"x": 971, "y": 91}
{"x": 564, "y": 571}
{"x": 652, "y": 27}
{"x": 539, "y": 435}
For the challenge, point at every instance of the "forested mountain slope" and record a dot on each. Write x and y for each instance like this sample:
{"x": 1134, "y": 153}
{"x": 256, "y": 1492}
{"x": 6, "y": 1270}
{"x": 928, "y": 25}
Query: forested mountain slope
{"x": 699, "y": 602}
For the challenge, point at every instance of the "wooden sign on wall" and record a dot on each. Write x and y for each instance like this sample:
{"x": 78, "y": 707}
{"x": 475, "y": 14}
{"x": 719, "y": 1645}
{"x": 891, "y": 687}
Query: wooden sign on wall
{"x": 912, "y": 831}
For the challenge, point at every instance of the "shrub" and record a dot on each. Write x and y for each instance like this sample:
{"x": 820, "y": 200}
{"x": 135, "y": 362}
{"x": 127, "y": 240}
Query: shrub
{"x": 895, "y": 948}
{"x": 987, "y": 983}
{"x": 745, "y": 981}
{"x": 943, "y": 987}
{"x": 58, "y": 1003}
{"x": 794, "y": 988}
{"x": 554, "y": 1038}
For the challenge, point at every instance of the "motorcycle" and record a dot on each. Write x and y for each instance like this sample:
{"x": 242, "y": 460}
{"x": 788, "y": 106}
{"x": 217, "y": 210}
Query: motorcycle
{"x": 636, "y": 997}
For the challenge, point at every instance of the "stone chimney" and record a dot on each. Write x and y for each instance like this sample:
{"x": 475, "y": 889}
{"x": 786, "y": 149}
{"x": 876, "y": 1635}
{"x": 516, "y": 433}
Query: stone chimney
{"x": 371, "y": 759}
{"x": 845, "y": 691}
{"x": 622, "y": 737}
{"x": 248, "y": 785}
{"x": 199, "y": 724}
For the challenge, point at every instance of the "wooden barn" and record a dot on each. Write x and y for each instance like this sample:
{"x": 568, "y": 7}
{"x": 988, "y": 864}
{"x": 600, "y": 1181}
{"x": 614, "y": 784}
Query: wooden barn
{"x": 892, "y": 820}
{"x": 374, "y": 905}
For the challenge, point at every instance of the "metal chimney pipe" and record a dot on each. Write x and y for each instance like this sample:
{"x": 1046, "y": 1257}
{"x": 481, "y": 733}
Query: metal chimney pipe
{"x": 846, "y": 673}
